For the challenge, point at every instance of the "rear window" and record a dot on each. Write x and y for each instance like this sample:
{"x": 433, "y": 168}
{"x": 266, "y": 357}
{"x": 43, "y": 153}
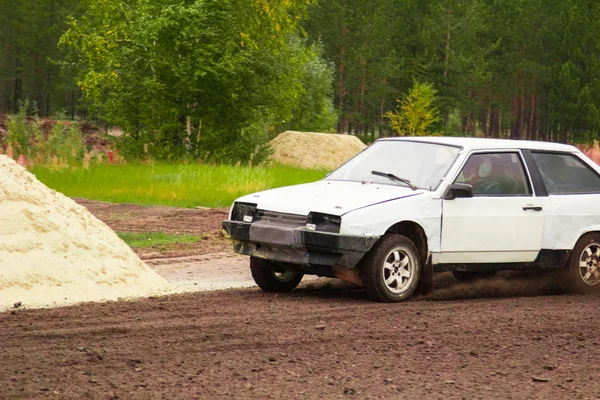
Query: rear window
{"x": 566, "y": 174}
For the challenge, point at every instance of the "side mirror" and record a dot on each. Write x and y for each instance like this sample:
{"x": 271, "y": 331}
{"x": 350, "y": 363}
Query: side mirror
{"x": 459, "y": 190}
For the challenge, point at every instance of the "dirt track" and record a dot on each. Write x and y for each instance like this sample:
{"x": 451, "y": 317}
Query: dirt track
{"x": 322, "y": 341}
{"x": 310, "y": 344}
{"x": 204, "y": 222}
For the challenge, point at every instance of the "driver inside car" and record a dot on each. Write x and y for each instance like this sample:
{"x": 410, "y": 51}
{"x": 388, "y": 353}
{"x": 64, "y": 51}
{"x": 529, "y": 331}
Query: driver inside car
{"x": 478, "y": 173}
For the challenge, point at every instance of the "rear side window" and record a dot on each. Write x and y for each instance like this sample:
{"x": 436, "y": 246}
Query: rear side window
{"x": 566, "y": 174}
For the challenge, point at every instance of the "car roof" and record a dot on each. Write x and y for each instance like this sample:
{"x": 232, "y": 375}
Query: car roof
{"x": 471, "y": 143}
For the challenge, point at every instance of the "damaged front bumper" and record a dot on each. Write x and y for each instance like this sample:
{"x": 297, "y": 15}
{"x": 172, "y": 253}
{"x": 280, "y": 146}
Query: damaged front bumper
{"x": 298, "y": 245}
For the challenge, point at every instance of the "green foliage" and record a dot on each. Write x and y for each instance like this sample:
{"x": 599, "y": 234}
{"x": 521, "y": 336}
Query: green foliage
{"x": 172, "y": 185}
{"x": 519, "y": 69}
{"x": 20, "y": 131}
{"x": 417, "y": 114}
{"x": 315, "y": 111}
{"x": 63, "y": 144}
{"x": 202, "y": 77}
{"x": 156, "y": 239}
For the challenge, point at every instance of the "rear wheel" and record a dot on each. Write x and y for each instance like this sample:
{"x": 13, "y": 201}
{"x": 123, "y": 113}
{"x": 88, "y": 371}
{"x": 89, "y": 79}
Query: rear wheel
{"x": 390, "y": 271}
{"x": 273, "y": 277}
{"x": 584, "y": 266}
{"x": 470, "y": 276}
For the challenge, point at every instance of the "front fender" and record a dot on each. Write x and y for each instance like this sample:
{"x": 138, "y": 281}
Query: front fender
{"x": 376, "y": 220}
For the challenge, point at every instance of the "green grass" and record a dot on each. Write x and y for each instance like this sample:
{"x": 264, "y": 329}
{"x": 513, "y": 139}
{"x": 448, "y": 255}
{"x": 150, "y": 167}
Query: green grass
{"x": 149, "y": 239}
{"x": 172, "y": 185}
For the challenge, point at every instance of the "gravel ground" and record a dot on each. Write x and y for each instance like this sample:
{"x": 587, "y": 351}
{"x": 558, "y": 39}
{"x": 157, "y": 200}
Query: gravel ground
{"x": 500, "y": 338}
{"x": 314, "y": 343}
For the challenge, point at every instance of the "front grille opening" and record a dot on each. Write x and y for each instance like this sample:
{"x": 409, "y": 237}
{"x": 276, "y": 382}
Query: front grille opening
{"x": 280, "y": 219}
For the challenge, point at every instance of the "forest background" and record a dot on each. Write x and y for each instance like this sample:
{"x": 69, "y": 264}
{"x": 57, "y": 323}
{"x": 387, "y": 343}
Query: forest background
{"x": 217, "y": 79}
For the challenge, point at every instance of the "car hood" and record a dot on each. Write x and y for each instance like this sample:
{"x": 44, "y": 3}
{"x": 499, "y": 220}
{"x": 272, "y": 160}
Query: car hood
{"x": 327, "y": 196}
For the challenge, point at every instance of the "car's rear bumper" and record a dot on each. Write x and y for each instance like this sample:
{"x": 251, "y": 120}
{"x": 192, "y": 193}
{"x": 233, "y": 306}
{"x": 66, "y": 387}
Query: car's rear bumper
{"x": 297, "y": 245}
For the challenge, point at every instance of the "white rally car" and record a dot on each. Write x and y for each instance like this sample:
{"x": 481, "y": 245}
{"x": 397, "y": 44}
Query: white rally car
{"x": 407, "y": 207}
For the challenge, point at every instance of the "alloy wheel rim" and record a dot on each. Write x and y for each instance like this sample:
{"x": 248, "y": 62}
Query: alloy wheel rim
{"x": 398, "y": 270}
{"x": 284, "y": 276}
{"x": 589, "y": 264}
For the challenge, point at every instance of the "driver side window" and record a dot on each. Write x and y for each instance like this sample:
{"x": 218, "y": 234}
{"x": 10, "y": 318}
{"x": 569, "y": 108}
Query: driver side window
{"x": 495, "y": 174}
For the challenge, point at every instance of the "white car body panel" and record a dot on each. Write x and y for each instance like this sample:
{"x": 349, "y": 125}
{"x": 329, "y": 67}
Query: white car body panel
{"x": 469, "y": 143}
{"x": 483, "y": 257}
{"x": 329, "y": 197}
{"x": 376, "y": 220}
{"x": 568, "y": 217}
{"x": 490, "y": 230}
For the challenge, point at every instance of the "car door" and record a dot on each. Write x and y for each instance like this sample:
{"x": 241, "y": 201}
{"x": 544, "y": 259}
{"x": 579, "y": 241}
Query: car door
{"x": 502, "y": 222}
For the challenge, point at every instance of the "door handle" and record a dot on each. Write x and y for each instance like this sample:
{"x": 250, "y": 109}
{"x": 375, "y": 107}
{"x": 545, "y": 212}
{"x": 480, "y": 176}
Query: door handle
{"x": 532, "y": 208}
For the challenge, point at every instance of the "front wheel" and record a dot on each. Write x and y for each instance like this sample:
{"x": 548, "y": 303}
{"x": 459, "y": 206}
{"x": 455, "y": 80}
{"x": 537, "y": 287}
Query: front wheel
{"x": 584, "y": 266}
{"x": 390, "y": 271}
{"x": 270, "y": 278}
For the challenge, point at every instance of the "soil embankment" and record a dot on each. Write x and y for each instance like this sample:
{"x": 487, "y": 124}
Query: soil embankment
{"x": 314, "y": 150}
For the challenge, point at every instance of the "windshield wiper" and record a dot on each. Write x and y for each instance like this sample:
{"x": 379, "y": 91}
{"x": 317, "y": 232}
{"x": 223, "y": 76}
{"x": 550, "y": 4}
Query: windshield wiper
{"x": 395, "y": 178}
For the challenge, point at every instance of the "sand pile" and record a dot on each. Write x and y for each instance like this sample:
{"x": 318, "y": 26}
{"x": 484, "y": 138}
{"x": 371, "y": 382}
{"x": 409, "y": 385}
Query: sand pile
{"x": 54, "y": 252}
{"x": 314, "y": 150}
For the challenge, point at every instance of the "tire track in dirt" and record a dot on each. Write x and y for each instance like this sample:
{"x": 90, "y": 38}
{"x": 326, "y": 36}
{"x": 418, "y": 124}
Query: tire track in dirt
{"x": 328, "y": 343}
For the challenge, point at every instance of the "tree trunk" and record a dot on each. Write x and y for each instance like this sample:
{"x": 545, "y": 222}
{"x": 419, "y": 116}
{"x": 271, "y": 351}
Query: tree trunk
{"x": 492, "y": 125}
{"x": 531, "y": 126}
{"x": 521, "y": 106}
{"x": 447, "y": 48}
{"x": 47, "y": 105}
{"x": 498, "y": 122}
{"x": 381, "y": 107}
{"x": 361, "y": 103}
{"x": 73, "y": 103}
{"x": 484, "y": 120}
{"x": 514, "y": 126}
{"x": 18, "y": 86}
{"x": 447, "y": 59}
{"x": 341, "y": 89}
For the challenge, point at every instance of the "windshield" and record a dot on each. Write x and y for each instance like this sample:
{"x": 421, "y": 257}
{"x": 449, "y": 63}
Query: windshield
{"x": 423, "y": 164}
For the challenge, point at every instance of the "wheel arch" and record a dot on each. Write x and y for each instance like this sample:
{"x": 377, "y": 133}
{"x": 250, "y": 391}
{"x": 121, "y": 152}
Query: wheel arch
{"x": 593, "y": 230}
{"x": 414, "y": 232}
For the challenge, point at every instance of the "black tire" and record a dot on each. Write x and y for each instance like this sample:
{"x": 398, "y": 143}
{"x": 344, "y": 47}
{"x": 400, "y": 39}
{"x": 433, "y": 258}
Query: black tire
{"x": 269, "y": 280}
{"x": 383, "y": 263}
{"x": 583, "y": 272}
{"x": 470, "y": 276}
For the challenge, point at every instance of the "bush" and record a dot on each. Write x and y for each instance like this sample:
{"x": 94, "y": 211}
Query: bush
{"x": 226, "y": 145}
{"x": 417, "y": 114}
{"x": 20, "y": 132}
{"x": 63, "y": 144}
